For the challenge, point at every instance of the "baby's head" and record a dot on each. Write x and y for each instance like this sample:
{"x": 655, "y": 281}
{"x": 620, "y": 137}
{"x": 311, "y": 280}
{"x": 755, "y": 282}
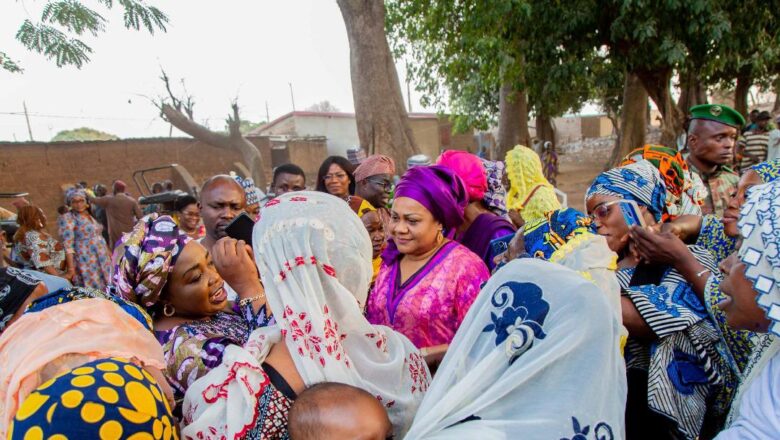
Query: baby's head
{"x": 330, "y": 410}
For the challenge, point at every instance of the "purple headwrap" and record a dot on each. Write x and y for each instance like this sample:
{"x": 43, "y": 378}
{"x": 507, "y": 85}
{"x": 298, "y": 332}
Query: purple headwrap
{"x": 440, "y": 191}
{"x": 145, "y": 257}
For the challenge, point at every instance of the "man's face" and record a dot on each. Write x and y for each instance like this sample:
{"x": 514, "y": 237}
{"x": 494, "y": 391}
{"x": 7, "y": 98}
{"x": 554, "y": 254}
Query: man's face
{"x": 285, "y": 183}
{"x": 762, "y": 123}
{"x": 220, "y": 204}
{"x": 713, "y": 143}
{"x": 376, "y": 189}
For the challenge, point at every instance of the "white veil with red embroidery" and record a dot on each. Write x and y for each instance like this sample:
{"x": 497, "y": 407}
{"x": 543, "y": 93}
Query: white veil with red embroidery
{"x": 314, "y": 256}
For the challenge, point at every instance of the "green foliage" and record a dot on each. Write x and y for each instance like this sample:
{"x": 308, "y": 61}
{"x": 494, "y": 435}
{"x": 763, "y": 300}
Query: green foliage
{"x": 460, "y": 53}
{"x": 58, "y": 33}
{"x": 563, "y": 53}
{"x": 8, "y": 64}
{"x": 83, "y": 134}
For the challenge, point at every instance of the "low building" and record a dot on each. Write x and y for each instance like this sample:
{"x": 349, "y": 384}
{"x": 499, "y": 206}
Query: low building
{"x": 432, "y": 133}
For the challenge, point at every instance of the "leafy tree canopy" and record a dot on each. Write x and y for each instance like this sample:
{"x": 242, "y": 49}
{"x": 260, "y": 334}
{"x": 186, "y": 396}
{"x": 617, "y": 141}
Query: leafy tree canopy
{"x": 567, "y": 52}
{"x": 83, "y": 134}
{"x": 63, "y": 24}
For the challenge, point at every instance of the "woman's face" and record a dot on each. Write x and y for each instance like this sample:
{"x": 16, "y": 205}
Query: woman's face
{"x": 608, "y": 220}
{"x": 79, "y": 204}
{"x": 253, "y": 211}
{"x": 195, "y": 289}
{"x": 375, "y": 230}
{"x": 190, "y": 216}
{"x": 337, "y": 181}
{"x": 741, "y": 309}
{"x": 731, "y": 214}
{"x": 412, "y": 226}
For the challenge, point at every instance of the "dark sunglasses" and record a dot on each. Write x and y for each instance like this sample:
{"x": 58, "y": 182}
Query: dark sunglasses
{"x": 383, "y": 183}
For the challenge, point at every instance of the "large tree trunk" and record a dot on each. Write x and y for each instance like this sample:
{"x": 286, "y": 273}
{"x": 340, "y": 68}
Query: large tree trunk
{"x": 776, "y": 88}
{"x": 234, "y": 140}
{"x": 692, "y": 91}
{"x": 382, "y": 121}
{"x": 544, "y": 129}
{"x": 657, "y": 83}
{"x": 633, "y": 119}
{"x": 744, "y": 81}
{"x": 512, "y": 120}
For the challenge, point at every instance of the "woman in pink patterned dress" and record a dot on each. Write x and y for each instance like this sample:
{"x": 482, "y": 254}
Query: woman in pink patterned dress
{"x": 82, "y": 236}
{"x": 427, "y": 282}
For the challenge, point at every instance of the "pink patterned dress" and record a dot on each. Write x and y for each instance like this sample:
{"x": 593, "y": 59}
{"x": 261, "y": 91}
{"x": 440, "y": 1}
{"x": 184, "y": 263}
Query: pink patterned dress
{"x": 429, "y": 307}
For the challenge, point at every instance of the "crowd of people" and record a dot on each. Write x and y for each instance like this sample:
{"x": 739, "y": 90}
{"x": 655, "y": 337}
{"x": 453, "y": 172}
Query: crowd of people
{"x": 459, "y": 300}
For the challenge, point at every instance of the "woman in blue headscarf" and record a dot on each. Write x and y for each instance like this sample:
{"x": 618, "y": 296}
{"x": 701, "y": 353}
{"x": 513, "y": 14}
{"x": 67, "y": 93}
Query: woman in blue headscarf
{"x": 672, "y": 352}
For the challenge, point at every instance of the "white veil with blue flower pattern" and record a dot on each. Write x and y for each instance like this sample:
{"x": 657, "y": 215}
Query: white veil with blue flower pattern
{"x": 537, "y": 357}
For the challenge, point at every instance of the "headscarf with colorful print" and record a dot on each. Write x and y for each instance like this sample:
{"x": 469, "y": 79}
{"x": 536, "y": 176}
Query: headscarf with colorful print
{"x": 252, "y": 192}
{"x": 495, "y": 196}
{"x": 546, "y": 235}
{"x": 639, "y": 181}
{"x": 145, "y": 257}
{"x": 74, "y": 192}
{"x": 759, "y": 223}
{"x": 529, "y": 190}
{"x": 685, "y": 191}
{"x": 768, "y": 171}
{"x": 105, "y": 398}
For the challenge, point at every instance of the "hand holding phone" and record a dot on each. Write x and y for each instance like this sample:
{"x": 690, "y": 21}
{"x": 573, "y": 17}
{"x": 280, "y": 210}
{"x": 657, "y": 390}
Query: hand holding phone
{"x": 241, "y": 228}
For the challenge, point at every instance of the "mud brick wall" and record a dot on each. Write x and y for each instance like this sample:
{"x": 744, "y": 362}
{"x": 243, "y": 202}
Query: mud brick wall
{"x": 43, "y": 168}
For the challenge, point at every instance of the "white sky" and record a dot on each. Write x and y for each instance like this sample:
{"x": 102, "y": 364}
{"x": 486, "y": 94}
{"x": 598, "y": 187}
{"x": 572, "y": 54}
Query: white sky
{"x": 246, "y": 48}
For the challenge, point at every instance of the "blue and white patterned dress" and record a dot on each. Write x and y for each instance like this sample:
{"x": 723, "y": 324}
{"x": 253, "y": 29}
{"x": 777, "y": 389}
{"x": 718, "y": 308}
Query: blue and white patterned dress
{"x": 684, "y": 365}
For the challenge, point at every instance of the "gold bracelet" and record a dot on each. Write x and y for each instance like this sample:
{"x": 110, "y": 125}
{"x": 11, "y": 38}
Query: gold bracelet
{"x": 247, "y": 301}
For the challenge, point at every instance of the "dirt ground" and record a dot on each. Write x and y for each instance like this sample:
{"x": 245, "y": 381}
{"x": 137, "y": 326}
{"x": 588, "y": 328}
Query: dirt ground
{"x": 577, "y": 171}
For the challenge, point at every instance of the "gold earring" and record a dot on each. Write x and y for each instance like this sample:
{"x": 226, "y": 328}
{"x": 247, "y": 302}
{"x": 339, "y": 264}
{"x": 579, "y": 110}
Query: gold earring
{"x": 166, "y": 312}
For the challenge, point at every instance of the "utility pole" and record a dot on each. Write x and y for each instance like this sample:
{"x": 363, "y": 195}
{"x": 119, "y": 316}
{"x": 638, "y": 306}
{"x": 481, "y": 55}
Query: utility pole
{"x": 292, "y": 98}
{"x": 27, "y": 118}
{"x": 267, "y": 115}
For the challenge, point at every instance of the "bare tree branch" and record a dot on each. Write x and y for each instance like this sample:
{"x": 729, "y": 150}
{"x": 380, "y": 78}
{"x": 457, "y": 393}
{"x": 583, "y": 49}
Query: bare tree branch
{"x": 179, "y": 113}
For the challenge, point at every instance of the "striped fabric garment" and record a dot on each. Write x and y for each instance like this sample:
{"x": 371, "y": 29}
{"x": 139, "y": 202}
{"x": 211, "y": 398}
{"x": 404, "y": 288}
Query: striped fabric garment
{"x": 686, "y": 336}
{"x": 755, "y": 144}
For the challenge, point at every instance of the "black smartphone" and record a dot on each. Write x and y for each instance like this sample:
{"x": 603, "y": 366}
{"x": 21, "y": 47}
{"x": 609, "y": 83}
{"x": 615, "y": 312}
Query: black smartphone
{"x": 241, "y": 228}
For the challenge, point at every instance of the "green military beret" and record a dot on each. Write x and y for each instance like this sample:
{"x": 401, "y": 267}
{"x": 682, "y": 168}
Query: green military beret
{"x": 718, "y": 113}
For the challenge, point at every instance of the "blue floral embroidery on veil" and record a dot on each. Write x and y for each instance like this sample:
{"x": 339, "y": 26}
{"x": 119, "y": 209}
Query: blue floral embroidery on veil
{"x": 519, "y": 316}
{"x": 601, "y": 431}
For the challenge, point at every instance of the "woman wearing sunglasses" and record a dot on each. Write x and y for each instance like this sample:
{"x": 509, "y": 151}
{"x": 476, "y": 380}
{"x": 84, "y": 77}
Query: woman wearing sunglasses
{"x": 672, "y": 359}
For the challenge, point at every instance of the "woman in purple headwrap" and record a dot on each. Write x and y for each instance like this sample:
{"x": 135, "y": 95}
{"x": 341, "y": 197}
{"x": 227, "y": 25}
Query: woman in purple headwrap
{"x": 175, "y": 279}
{"x": 480, "y": 225}
{"x": 427, "y": 282}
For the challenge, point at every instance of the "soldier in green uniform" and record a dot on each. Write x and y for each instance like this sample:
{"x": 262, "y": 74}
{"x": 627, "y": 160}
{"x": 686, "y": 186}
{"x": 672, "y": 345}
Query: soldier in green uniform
{"x": 712, "y": 136}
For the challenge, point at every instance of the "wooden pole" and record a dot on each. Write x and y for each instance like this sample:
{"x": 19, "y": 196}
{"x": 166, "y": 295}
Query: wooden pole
{"x": 27, "y": 118}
